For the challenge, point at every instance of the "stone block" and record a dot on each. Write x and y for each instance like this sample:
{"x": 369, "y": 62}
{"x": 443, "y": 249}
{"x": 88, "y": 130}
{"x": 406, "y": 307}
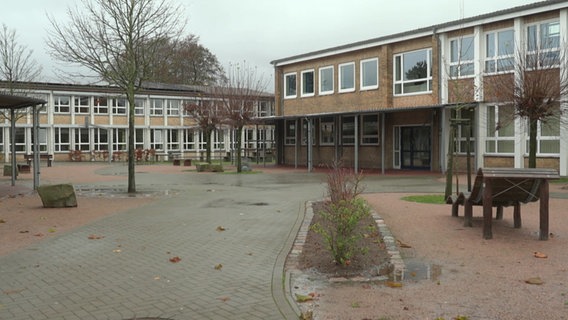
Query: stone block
{"x": 57, "y": 196}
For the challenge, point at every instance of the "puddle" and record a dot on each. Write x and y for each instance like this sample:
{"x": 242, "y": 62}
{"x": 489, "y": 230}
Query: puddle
{"x": 120, "y": 192}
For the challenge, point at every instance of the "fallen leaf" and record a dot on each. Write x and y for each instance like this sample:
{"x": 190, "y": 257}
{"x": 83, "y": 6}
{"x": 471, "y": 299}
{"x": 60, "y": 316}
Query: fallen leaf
{"x": 220, "y": 228}
{"x": 117, "y": 250}
{"x": 250, "y": 253}
{"x": 95, "y": 237}
{"x": 535, "y": 280}
{"x": 51, "y": 230}
{"x": 540, "y": 255}
{"x": 218, "y": 266}
{"x": 224, "y": 298}
{"x": 24, "y": 231}
{"x": 2, "y": 221}
{"x": 38, "y": 234}
{"x": 308, "y": 315}
{"x": 403, "y": 245}
{"x": 303, "y": 298}
{"x": 392, "y": 284}
{"x": 175, "y": 259}
{"x": 156, "y": 278}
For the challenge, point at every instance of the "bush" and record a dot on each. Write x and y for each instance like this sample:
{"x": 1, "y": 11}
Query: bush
{"x": 342, "y": 214}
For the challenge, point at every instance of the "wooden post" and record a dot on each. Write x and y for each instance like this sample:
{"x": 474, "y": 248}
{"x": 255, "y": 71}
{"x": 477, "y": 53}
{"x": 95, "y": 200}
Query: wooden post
{"x": 499, "y": 213}
{"x": 544, "y": 210}
{"x": 487, "y": 208}
{"x": 468, "y": 214}
{"x": 517, "y": 215}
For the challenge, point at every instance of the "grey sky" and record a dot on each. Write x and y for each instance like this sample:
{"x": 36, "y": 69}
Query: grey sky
{"x": 260, "y": 31}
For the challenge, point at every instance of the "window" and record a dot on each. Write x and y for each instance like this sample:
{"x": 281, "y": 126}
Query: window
{"x": 370, "y": 74}
{"x": 461, "y": 57}
{"x": 139, "y": 138}
{"x": 348, "y": 130}
{"x": 101, "y": 105}
{"x": 305, "y": 137}
{"x": 307, "y": 83}
{"x": 218, "y": 139}
{"x": 265, "y": 109}
{"x": 290, "y": 85}
{"x": 327, "y": 132}
{"x": 81, "y": 104}
{"x": 500, "y": 129}
{"x": 548, "y": 135}
{"x": 156, "y": 107}
{"x": 290, "y": 135}
{"x": 188, "y": 139}
{"x": 61, "y": 104}
{"x": 82, "y": 139}
{"x": 20, "y": 137}
{"x": 139, "y": 106}
{"x": 370, "y": 129}
{"x": 62, "y": 139}
{"x": 173, "y": 139}
{"x": 156, "y": 139}
{"x": 464, "y": 129}
{"x": 499, "y": 51}
{"x": 42, "y": 141}
{"x": 100, "y": 140}
{"x": 326, "y": 80}
{"x": 347, "y": 77}
{"x": 413, "y": 72}
{"x": 543, "y": 44}
{"x": 173, "y": 107}
{"x": 119, "y": 106}
{"x": 120, "y": 139}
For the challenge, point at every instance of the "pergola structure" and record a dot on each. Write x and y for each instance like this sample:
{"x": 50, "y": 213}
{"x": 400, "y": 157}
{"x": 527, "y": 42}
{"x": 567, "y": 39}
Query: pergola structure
{"x": 14, "y": 103}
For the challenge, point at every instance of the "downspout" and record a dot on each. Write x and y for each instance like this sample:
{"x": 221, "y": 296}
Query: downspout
{"x": 441, "y": 136}
{"x": 383, "y": 116}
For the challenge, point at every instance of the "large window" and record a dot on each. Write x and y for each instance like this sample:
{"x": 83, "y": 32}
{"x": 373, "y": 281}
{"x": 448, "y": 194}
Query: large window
{"x": 307, "y": 83}
{"x": 82, "y": 139}
{"x": 500, "y": 129}
{"x": 348, "y": 130}
{"x": 173, "y": 107}
{"x": 413, "y": 72}
{"x": 173, "y": 139}
{"x": 119, "y": 106}
{"x": 139, "y": 138}
{"x": 548, "y": 135}
{"x": 499, "y": 51}
{"x": 101, "y": 105}
{"x": 464, "y": 129}
{"x": 100, "y": 141}
{"x": 290, "y": 85}
{"x": 461, "y": 57}
{"x": 188, "y": 139}
{"x": 120, "y": 139}
{"x": 327, "y": 131}
{"x": 42, "y": 141}
{"x": 156, "y": 139}
{"x": 370, "y": 74}
{"x": 347, "y": 77}
{"x": 326, "y": 80}
{"x": 62, "y": 139}
{"x": 156, "y": 107}
{"x": 290, "y": 135}
{"x": 61, "y": 104}
{"x": 543, "y": 44}
{"x": 305, "y": 125}
{"x": 218, "y": 139}
{"x": 81, "y": 104}
{"x": 370, "y": 129}
{"x": 20, "y": 137}
{"x": 139, "y": 106}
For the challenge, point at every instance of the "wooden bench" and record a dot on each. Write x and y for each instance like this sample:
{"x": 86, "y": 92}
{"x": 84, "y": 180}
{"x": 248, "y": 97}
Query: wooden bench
{"x": 44, "y": 156}
{"x": 503, "y": 187}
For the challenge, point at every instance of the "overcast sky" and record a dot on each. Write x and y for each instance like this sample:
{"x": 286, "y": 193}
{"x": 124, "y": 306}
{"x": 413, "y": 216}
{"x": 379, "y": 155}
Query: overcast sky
{"x": 260, "y": 31}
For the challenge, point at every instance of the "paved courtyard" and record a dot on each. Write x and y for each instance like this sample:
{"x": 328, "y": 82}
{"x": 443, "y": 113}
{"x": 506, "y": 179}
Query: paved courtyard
{"x": 232, "y": 274}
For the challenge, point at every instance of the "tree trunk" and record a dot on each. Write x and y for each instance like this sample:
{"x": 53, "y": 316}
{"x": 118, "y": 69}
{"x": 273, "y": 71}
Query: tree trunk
{"x": 239, "y": 137}
{"x": 450, "y": 164}
{"x": 131, "y": 162}
{"x": 208, "y": 148}
{"x": 532, "y": 143}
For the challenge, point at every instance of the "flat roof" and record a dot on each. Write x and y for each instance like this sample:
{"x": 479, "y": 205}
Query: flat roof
{"x": 8, "y": 101}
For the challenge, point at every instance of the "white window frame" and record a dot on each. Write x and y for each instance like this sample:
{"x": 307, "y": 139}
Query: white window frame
{"x": 496, "y": 59}
{"x": 493, "y": 135}
{"x": 342, "y": 72}
{"x": 98, "y": 143}
{"x": 347, "y": 140}
{"x": 321, "y": 80}
{"x": 173, "y": 107}
{"x": 173, "y": 139}
{"x": 101, "y": 105}
{"x": 402, "y": 82}
{"x": 80, "y": 108}
{"x": 139, "y": 106}
{"x": 541, "y": 50}
{"x": 119, "y": 106}
{"x": 189, "y": 139}
{"x": 79, "y": 142}
{"x": 290, "y": 140}
{"x": 364, "y": 71}
{"x": 157, "y": 139}
{"x": 156, "y": 110}
{"x": 461, "y": 136}
{"x": 369, "y": 139}
{"x": 303, "y": 83}
{"x": 120, "y": 139}
{"x": 62, "y": 139}
{"x": 287, "y": 94}
{"x": 459, "y": 66}
{"x": 59, "y": 105}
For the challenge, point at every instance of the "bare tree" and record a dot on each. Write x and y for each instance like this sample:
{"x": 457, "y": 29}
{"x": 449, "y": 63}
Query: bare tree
{"x": 187, "y": 62}
{"x": 16, "y": 66}
{"x": 239, "y": 95}
{"x": 119, "y": 40}
{"x": 207, "y": 115}
{"x": 536, "y": 89}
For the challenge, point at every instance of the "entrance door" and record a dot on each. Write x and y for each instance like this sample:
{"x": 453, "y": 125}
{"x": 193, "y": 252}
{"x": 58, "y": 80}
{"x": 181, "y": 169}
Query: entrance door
{"x": 415, "y": 147}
